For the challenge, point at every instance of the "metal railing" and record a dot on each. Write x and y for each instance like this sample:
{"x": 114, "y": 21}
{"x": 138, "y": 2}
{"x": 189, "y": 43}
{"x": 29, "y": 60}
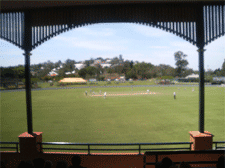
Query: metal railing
{"x": 219, "y": 147}
{"x": 17, "y": 146}
{"x": 113, "y": 144}
{"x": 157, "y": 154}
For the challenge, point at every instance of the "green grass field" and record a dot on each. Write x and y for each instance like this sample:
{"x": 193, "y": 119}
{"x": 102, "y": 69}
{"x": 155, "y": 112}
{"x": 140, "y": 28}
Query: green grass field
{"x": 68, "y": 115}
{"x": 112, "y": 83}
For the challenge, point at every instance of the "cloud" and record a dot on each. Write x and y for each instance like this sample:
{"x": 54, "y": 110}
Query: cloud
{"x": 105, "y": 32}
{"x": 159, "y": 47}
{"x": 100, "y": 45}
{"x": 150, "y": 31}
{"x": 12, "y": 52}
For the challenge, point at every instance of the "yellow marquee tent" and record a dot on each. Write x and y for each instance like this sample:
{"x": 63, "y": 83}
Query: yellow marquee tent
{"x": 73, "y": 80}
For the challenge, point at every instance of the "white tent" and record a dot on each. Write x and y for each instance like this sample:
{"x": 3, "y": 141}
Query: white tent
{"x": 192, "y": 76}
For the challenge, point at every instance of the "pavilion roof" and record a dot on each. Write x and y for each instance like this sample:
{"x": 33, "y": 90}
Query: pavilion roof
{"x": 15, "y": 5}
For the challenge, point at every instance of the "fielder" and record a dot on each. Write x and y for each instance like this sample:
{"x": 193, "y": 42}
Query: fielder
{"x": 86, "y": 93}
{"x": 193, "y": 90}
{"x": 147, "y": 91}
{"x": 174, "y": 95}
{"x": 104, "y": 95}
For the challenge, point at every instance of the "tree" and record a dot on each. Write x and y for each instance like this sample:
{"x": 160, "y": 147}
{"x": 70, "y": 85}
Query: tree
{"x": 57, "y": 64}
{"x": 217, "y": 72}
{"x": 131, "y": 64}
{"x": 223, "y": 69}
{"x": 126, "y": 67}
{"x": 188, "y": 71}
{"x": 119, "y": 69}
{"x": 110, "y": 70}
{"x": 91, "y": 70}
{"x": 115, "y": 60}
{"x": 181, "y": 63}
{"x": 19, "y": 71}
{"x": 131, "y": 74}
{"x": 7, "y": 72}
{"x": 99, "y": 70}
{"x": 82, "y": 72}
{"x": 69, "y": 65}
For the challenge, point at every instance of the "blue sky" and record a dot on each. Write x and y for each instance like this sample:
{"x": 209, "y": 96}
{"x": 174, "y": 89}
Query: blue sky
{"x": 133, "y": 41}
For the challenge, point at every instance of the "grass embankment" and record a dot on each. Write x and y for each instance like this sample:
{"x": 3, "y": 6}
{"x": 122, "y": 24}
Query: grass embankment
{"x": 70, "y": 116}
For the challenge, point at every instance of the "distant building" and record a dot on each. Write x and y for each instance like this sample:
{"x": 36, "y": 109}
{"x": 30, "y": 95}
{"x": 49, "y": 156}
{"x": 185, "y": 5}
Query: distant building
{"x": 105, "y": 65}
{"x": 97, "y": 61}
{"x": 122, "y": 79}
{"x": 221, "y": 78}
{"x": 107, "y": 61}
{"x": 56, "y": 74}
{"x": 52, "y": 73}
{"x": 115, "y": 65}
{"x": 92, "y": 80}
{"x": 79, "y": 66}
{"x": 67, "y": 73}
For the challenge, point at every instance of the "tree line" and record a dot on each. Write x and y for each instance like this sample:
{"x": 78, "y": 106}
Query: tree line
{"x": 130, "y": 69}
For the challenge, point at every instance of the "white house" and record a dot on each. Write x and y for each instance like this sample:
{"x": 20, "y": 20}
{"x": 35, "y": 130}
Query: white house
{"x": 79, "y": 66}
{"x": 105, "y": 65}
{"x": 97, "y": 61}
{"x": 67, "y": 73}
{"x": 108, "y": 61}
{"x": 53, "y": 74}
{"x": 221, "y": 78}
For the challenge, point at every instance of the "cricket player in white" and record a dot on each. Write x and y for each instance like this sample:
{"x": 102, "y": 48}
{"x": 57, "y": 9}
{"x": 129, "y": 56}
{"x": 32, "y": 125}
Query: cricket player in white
{"x": 147, "y": 91}
{"x": 174, "y": 94}
{"x": 104, "y": 95}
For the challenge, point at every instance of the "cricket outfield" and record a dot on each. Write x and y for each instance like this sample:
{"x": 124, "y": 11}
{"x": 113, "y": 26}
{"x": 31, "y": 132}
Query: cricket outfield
{"x": 127, "y": 116}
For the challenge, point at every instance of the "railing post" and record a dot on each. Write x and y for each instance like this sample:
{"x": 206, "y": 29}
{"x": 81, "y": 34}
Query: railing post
{"x": 41, "y": 150}
{"x": 29, "y": 144}
{"x": 88, "y": 149}
{"x": 216, "y": 146}
{"x": 17, "y": 147}
{"x": 139, "y": 149}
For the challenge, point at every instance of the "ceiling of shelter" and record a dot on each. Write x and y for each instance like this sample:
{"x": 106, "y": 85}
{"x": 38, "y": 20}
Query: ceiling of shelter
{"x": 13, "y": 5}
